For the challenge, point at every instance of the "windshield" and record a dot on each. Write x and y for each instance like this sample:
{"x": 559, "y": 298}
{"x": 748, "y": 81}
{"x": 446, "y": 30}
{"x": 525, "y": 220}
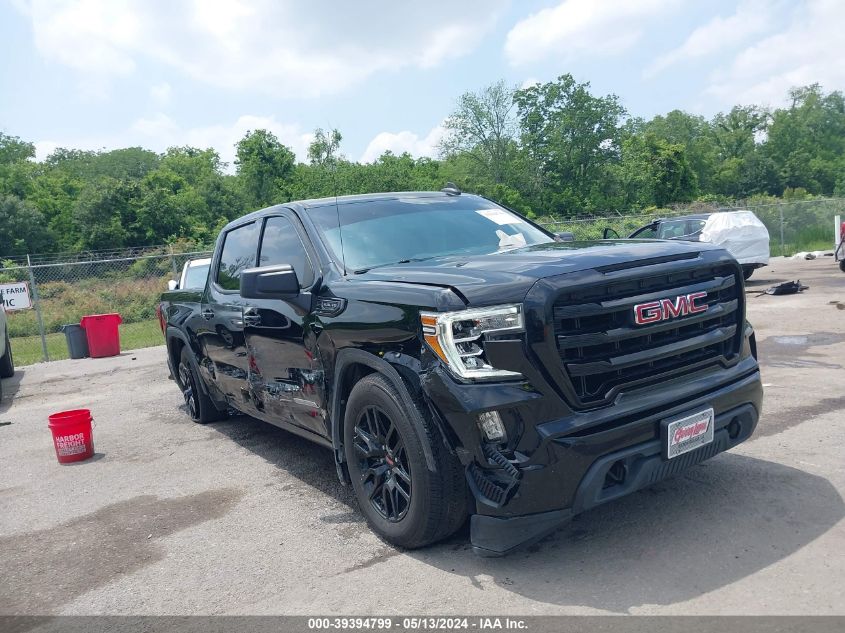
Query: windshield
{"x": 380, "y": 232}
{"x": 196, "y": 276}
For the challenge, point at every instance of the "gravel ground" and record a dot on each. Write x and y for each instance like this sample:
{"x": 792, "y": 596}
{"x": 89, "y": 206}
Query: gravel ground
{"x": 238, "y": 517}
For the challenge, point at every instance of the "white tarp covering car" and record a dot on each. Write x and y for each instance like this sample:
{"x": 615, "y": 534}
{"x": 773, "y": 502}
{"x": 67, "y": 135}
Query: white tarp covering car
{"x": 741, "y": 233}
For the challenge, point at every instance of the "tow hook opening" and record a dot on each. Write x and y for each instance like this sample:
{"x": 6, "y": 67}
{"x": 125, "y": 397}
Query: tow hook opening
{"x": 616, "y": 474}
{"x": 734, "y": 428}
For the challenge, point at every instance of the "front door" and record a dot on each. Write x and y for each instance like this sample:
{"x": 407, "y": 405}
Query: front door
{"x": 286, "y": 374}
{"x": 225, "y": 359}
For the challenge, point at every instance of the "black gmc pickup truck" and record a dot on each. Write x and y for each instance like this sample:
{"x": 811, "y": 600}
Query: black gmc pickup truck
{"x": 460, "y": 360}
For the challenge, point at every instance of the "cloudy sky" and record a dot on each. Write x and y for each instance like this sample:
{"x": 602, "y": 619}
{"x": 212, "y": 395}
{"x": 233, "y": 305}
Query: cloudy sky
{"x": 113, "y": 73}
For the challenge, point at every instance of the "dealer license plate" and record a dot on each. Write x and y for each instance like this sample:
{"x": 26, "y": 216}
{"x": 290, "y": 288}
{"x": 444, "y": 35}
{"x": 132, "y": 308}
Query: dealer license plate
{"x": 688, "y": 433}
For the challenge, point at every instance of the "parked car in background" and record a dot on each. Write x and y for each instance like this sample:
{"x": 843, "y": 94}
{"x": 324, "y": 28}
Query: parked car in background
{"x": 194, "y": 275}
{"x": 741, "y": 233}
{"x": 7, "y": 364}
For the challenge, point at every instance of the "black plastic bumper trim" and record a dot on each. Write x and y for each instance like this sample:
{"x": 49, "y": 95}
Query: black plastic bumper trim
{"x": 497, "y": 536}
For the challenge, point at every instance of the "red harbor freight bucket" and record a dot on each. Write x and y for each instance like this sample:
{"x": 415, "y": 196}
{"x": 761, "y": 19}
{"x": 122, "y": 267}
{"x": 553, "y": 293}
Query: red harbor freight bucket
{"x": 102, "y": 333}
{"x": 72, "y": 435}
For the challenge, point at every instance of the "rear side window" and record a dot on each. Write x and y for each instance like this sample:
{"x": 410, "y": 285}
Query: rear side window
{"x": 281, "y": 244}
{"x": 239, "y": 248}
{"x": 672, "y": 230}
{"x": 196, "y": 276}
{"x": 695, "y": 228}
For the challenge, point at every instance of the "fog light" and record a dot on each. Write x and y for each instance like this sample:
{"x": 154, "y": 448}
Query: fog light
{"x": 491, "y": 425}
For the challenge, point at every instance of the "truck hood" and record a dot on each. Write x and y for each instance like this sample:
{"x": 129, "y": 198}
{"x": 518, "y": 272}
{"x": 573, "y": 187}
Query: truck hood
{"x": 508, "y": 275}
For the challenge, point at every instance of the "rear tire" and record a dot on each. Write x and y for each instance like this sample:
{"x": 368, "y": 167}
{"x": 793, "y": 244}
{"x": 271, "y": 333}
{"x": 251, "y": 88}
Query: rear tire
{"x": 403, "y": 501}
{"x": 7, "y": 363}
{"x": 747, "y": 271}
{"x": 200, "y": 406}
{"x": 842, "y": 265}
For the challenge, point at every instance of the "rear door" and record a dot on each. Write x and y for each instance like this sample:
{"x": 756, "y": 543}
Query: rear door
{"x": 286, "y": 374}
{"x": 225, "y": 358}
{"x": 673, "y": 229}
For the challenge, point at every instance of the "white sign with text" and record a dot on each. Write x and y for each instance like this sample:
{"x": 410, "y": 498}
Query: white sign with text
{"x": 15, "y": 296}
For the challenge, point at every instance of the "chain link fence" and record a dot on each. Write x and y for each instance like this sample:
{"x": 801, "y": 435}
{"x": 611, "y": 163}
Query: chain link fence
{"x": 800, "y": 225}
{"x": 66, "y": 287}
{"x": 63, "y": 289}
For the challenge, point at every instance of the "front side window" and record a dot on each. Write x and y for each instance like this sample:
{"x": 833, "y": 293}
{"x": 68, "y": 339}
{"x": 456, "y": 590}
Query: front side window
{"x": 239, "y": 248}
{"x": 281, "y": 245}
{"x": 376, "y": 233}
{"x": 645, "y": 233}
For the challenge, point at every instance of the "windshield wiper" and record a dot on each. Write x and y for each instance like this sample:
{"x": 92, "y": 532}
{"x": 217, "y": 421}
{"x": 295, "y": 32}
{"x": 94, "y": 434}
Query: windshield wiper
{"x": 361, "y": 271}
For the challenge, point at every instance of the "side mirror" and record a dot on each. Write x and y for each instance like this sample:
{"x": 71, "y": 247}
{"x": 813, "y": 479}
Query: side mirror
{"x": 172, "y": 285}
{"x": 608, "y": 233}
{"x": 565, "y": 236}
{"x": 269, "y": 282}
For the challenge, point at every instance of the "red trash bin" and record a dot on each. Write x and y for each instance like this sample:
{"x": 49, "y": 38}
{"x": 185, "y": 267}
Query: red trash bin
{"x": 102, "y": 333}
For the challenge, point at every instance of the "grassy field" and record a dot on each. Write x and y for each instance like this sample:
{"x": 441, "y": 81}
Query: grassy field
{"x": 27, "y": 349}
{"x": 805, "y": 245}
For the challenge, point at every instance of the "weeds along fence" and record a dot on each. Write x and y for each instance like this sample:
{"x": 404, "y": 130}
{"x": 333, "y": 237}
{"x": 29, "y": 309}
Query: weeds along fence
{"x": 63, "y": 289}
{"x": 800, "y": 225}
{"x": 66, "y": 287}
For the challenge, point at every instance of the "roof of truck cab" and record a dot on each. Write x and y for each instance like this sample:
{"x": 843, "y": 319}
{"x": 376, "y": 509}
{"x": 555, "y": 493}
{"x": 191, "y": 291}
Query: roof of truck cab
{"x": 371, "y": 197}
{"x": 693, "y": 216}
{"x": 316, "y": 203}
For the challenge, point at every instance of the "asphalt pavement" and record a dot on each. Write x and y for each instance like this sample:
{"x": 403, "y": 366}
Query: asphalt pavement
{"x": 239, "y": 517}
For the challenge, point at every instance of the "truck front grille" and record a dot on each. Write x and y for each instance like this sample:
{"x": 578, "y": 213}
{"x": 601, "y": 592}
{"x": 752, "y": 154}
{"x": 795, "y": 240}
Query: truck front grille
{"x": 603, "y": 349}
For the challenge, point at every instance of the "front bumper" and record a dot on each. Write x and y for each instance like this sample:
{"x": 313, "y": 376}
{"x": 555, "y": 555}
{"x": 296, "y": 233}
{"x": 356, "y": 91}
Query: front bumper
{"x": 569, "y": 463}
{"x": 642, "y": 464}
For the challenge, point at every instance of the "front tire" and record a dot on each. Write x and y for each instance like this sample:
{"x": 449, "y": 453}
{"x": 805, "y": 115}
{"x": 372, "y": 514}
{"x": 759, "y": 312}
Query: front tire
{"x": 199, "y": 405}
{"x": 403, "y": 501}
{"x": 747, "y": 271}
{"x": 7, "y": 363}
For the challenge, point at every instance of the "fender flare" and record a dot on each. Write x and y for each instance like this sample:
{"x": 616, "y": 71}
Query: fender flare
{"x": 175, "y": 333}
{"x": 347, "y": 357}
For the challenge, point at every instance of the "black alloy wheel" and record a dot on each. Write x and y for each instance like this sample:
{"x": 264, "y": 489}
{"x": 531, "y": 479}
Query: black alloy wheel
{"x": 186, "y": 382}
{"x": 384, "y": 464}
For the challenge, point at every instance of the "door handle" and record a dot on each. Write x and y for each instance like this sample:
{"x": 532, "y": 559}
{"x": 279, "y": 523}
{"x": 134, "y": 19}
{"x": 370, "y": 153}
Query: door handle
{"x": 207, "y": 314}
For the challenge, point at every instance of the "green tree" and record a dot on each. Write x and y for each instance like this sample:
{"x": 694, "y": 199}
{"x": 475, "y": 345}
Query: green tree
{"x": 22, "y": 228}
{"x": 693, "y": 132}
{"x": 13, "y": 149}
{"x": 806, "y": 141}
{"x": 104, "y": 215}
{"x": 483, "y": 128}
{"x": 127, "y": 163}
{"x": 654, "y": 172}
{"x": 571, "y": 138}
{"x": 324, "y": 149}
{"x": 263, "y": 166}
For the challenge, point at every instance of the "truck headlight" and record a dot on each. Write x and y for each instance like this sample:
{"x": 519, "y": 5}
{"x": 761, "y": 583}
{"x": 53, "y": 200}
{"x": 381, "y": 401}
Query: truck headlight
{"x": 458, "y": 337}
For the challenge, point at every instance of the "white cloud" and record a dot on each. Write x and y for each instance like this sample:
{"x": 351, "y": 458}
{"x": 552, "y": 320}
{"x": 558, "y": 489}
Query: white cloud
{"x": 527, "y": 83}
{"x": 405, "y": 141}
{"x": 576, "y": 27}
{"x": 160, "y": 132}
{"x": 807, "y": 50}
{"x": 752, "y": 17}
{"x": 87, "y": 35}
{"x": 161, "y": 93}
{"x": 284, "y": 48}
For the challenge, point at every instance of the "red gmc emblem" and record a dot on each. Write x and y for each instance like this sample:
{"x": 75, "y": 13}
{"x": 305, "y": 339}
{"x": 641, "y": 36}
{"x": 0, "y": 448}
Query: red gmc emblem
{"x": 682, "y": 305}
